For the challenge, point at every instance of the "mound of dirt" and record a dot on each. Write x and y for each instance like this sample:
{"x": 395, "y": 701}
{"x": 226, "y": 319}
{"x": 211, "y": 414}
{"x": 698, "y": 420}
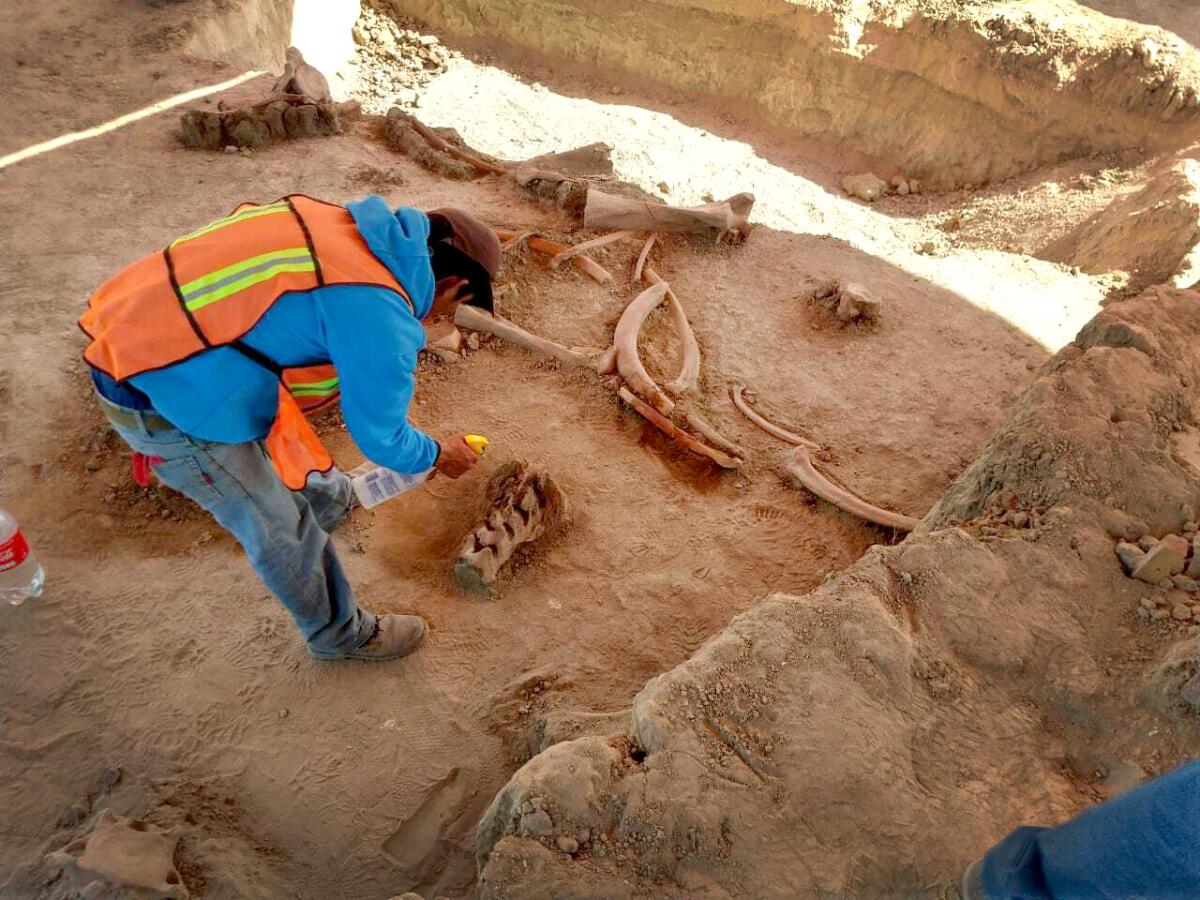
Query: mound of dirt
{"x": 1150, "y": 233}
{"x": 947, "y": 689}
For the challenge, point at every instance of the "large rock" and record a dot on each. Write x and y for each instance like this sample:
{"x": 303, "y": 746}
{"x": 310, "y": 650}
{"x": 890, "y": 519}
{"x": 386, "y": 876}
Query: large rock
{"x": 856, "y": 303}
{"x": 1166, "y": 558}
{"x": 865, "y": 187}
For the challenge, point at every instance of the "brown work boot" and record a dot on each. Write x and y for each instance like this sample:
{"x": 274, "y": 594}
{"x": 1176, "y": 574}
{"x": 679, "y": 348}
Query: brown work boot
{"x": 394, "y": 637}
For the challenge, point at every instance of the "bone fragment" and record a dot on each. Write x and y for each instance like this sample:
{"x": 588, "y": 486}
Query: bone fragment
{"x": 643, "y": 256}
{"x": 689, "y": 370}
{"x": 671, "y": 430}
{"x": 800, "y": 467}
{"x": 625, "y": 337}
{"x": 736, "y": 392}
{"x": 552, "y": 248}
{"x": 608, "y": 211}
{"x": 573, "y": 251}
{"x": 478, "y": 320}
{"x": 524, "y": 503}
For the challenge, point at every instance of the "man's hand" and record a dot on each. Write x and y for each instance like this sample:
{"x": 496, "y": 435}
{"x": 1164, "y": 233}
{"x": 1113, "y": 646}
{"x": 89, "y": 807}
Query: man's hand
{"x": 456, "y": 458}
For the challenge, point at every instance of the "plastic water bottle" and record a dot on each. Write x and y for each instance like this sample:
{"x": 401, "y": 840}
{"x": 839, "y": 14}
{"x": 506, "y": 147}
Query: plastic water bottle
{"x": 374, "y": 484}
{"x": 20, "y": 575}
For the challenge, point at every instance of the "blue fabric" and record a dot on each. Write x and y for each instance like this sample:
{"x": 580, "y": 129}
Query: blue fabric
{"x": 125, "y": 395}
{"x": 285, "y": 534}
{"x": 1143, "y": 844}
{"x": 368, "y": 333}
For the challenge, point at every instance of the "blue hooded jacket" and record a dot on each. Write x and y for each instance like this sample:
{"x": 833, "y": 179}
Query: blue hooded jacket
{"x": 367, "y": 333}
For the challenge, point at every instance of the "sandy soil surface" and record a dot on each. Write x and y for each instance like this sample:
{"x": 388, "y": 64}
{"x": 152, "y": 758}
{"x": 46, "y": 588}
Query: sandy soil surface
{"x": 156, "y": 677}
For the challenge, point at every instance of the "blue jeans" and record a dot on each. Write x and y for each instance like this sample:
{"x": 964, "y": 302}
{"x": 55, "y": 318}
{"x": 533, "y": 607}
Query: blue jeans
{"x": 1144, "y": 843}
{"x": 285, "y": 534}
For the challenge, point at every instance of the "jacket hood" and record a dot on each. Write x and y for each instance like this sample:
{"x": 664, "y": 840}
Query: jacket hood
{"x": 400, "y": 241}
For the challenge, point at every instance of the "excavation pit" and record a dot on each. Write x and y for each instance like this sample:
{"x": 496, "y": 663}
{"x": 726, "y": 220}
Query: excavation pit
{"x": 716, "y": 654}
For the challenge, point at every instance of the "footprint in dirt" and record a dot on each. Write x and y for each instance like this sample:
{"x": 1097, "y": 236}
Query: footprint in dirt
{"x": 417, "y": 845}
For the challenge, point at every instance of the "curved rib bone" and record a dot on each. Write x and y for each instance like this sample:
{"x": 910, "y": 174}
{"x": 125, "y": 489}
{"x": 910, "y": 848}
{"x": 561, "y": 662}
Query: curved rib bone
{"x": 700, "y": 425}
{"x": 643, "y": 256}
{"x": 677, "y": 434}
{"x": 625, "y": 337}
{"x": 783, "y": 434}
{"x": 689, "y": 370}
{"x": 800, "y": 466}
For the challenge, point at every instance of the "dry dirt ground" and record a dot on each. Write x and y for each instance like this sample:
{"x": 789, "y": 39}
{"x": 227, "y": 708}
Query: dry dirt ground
{"x": 156, "y": 677}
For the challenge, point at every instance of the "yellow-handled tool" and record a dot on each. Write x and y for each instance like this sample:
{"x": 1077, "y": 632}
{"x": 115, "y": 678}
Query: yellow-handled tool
{"x": 476, "y": 442}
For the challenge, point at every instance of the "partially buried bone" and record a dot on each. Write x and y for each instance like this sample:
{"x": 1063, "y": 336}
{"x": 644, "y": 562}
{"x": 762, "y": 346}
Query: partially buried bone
{"x": 524, "y": 503}
{"x": 585, "y": 264}
{"x": 122, "y": 858}
{"x": 800, "y": 467}
{"x": 729, "y": 217}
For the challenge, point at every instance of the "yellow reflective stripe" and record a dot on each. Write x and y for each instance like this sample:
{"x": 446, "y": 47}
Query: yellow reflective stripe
{"x": 315, "y": 388}
{"x": 247, "y": 281}
{"x": 225, "y": 281}
{"x": 248, "y": 277}
{"x": 253, "y": 213}
{"x": 214, "y": 279}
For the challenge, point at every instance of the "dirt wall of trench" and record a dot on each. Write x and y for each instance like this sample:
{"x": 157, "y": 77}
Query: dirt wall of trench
{"x": 951, "y": 96}
{"x": 255, "y": 33}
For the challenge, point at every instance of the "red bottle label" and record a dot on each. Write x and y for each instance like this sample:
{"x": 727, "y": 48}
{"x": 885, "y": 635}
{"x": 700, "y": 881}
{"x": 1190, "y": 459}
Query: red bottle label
{"x": 13, "y": 552}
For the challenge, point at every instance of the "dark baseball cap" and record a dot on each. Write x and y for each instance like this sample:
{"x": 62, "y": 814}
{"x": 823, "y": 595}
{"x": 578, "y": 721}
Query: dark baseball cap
{"x": 461, "y": 246}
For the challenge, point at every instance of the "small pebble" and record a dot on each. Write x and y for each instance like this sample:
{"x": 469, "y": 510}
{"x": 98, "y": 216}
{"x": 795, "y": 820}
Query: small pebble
{"x": 568, "y": 844}
{"x": 1182, "y": 612}
{"x": 1020, "y": 519}
{"x": 230, "y": 148}
{"x": 1186, "y": 584}
{"x": 1147, "y": 543}
{"x": 1131, "y": 555}
{"x": 1160, "y": 614}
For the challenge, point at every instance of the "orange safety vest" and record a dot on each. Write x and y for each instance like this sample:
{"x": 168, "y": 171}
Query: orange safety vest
{"x": 210, "y": 287}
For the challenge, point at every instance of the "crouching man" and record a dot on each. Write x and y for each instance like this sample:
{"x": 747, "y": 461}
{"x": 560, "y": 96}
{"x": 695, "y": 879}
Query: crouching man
{"x": 206, "y": 355}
